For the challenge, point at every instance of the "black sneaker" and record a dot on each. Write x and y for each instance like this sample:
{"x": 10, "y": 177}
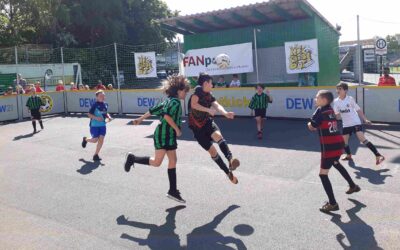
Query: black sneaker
{"x": 329, "y": 207}
{"x": 96, "y": 158}
{"x": 176, "y": 196}
{"x": 84, "y": 142}
{"x": 354, "y": 189}
{"x": 129, "y": 161}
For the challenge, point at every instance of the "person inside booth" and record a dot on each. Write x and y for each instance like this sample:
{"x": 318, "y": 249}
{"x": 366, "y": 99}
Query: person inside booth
{"x": 38, "y": 88}
{"x": 100, "y": 86}
{"x": 386, "y": 80}
{"x": 60, "y": 86}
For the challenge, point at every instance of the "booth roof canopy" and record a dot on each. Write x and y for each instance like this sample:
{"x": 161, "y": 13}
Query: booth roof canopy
{"x": 270, "y": 12}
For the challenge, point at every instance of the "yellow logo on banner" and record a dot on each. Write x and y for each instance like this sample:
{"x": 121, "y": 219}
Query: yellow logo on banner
{"x": 233, "y": 102}
{"x": 145, "y": 66}
{"x": 300, "y": 57}
{"x": 48, "y": 106}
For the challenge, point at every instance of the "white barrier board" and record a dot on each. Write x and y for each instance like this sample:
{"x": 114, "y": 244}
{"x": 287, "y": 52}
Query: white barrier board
{"x": 287, "y": 102}
{"x": 81, "y": 101}
{"x": 8, "y": 108}
{"x": 382, "y": 104}
{"x": 139, "y": 101}
{"x": 54, "y": 103}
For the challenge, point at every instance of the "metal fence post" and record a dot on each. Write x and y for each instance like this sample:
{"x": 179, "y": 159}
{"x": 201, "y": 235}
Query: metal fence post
{"x": 63, "y": 79}
{"x": 19, "y": 97}
{"x": 119, "y": 96}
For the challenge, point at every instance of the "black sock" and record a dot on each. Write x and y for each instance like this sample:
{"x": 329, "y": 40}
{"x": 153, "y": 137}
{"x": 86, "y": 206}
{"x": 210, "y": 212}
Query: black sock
{"x": 371, "y": 147}
{"x": 225, "y": 149}
{"x": 41, "y": 123}
{"x": 221, "y": 164}
{"x": 142, "y": 160}
{"x": 172, "y": 179}
{"x": 328, "y": 188}
{"x": 34, "y": 125}
{"x": 347, "y": 149}
{"x": 339, "y": 167}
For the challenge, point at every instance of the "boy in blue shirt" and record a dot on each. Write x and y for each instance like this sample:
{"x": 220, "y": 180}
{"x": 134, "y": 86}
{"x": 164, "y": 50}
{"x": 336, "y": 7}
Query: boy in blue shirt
{"x": 98, "y": 117}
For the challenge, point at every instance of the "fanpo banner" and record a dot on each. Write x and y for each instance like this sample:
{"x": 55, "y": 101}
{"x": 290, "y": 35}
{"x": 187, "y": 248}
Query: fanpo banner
{"x": 230, "y": 59}
{"x": 146, "y": 65}
{"x": 302, "y": 56}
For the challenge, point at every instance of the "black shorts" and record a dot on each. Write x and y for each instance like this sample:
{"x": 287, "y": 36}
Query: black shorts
{"x": 35, "y": 114}
{"x": 203, "y": 135}
{"x": 260, "y": 113}
{"x": 353, "y": 130}
{"x": 327, "y": 163}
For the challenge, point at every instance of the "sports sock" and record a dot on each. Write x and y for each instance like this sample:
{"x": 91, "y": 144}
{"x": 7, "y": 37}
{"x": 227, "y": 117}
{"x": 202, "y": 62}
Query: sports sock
{"x": 339, "y": 167}
{"x": 34, "y": 125}
{"x": 221, "y": 163}
{"x": 371, "y": 147}
{"x": 172, "y": 179}
{"x": 326, "y": 183}
{"x": 41, "y": 123}
{"x": 145, "y": 160}
{"x": 225, "y": 149}
{"x": 347, "y": 149}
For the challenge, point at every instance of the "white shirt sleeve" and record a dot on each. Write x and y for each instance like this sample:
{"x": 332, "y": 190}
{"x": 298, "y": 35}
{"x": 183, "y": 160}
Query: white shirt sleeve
{"x": 336, "y": 107}
{"x": 354, "y": 104}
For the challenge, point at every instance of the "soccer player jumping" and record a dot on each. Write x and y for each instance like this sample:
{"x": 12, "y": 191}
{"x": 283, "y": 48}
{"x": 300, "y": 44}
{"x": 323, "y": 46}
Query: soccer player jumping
{"x": 348, "y": 110}
{"x": 202, "y": 107}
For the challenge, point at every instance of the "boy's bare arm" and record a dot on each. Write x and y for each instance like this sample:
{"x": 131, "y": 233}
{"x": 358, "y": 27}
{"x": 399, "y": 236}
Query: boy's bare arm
{"x": 221, "y": 110}
{"x": 363, "y": 117}
{"x": 140, "y": 119}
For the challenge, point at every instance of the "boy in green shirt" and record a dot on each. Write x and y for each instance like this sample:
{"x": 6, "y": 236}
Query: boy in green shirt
{"x": 33, "y": 104}
{"x": 259, "y": 105}
{"x": 166, "y": 133}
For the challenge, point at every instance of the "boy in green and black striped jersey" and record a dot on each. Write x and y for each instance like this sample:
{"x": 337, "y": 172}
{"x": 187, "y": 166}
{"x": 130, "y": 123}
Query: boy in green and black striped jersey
{"x": 258, "y": 105}
{"x": 33, "y": 104}
{"x": 166, "y": 133}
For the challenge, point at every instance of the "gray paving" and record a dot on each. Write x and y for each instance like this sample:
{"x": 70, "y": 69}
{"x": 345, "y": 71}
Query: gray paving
{"x": 52, "y": 196}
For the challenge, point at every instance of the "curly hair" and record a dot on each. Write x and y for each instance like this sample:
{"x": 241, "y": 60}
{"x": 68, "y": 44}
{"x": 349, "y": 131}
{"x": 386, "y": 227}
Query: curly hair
{"x": 175, "y": 83}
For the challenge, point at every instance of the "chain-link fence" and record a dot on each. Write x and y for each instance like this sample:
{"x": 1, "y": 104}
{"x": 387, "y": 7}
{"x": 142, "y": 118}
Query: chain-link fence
{"x": 111, "y": 64}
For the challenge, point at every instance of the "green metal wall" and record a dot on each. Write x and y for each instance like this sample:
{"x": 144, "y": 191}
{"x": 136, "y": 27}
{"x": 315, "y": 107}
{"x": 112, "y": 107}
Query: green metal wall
{"x": 271, "y": 35}
{"x": 275, "y": 35}
{"x": 328, "y": 46}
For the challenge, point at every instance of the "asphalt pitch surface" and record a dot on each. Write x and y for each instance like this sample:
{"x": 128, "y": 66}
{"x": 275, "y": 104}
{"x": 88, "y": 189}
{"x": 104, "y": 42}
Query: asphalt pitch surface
{"x": 52, "y": 195}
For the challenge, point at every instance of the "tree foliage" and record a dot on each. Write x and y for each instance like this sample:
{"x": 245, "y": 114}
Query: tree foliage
{"x": 82, "y": 23}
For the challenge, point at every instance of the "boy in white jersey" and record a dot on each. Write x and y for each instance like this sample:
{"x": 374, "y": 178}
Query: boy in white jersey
{"x": 348, "y": 110}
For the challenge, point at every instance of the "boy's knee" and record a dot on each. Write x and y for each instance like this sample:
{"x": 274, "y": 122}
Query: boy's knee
{"x": 323, "y": 171}
{"x": 213, "y": 152}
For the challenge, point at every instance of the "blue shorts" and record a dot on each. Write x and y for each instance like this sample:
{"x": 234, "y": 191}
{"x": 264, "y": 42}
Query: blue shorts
{"x": 98, "y": 131}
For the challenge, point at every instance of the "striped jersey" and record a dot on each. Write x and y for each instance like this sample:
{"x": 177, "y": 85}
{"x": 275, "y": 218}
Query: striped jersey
{"x": 157, "y": 110}
{"x": 332, "y": 143}
{"x": 197, "y": 118}
{"x": 165, "y": 134}
{"x": 34, "y": 102}
{"x": 259, "y": 101}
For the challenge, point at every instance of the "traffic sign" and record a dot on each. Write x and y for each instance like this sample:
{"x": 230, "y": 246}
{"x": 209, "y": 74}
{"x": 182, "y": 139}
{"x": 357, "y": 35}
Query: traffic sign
{"x": 380, "y": 46}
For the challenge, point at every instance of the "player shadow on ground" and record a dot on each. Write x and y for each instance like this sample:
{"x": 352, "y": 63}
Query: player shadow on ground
{"x": 160, "y": 237}
{"x": 359, "y": 234}
{"x": 373, "y": 176}
{"x": 396, "y": 160}
{"x": 88, "y": 166}
{"x": 20, "y": 137}
{"x": 207, "y": 237}
{"x": 203, "y": 237}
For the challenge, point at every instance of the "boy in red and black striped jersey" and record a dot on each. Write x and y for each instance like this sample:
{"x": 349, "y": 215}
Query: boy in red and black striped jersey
{"x": 332, "y": 145}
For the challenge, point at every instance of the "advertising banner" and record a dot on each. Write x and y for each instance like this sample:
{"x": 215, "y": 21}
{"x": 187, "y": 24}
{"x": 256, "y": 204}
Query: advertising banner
{"x": 54, "y": 103}
{"x": 81, "y": 101}
{"x": 146, "y": 65}
{"x": 302, "y": 56}
{"x": 8, "y": 108}
{"x": 223, "y": 60}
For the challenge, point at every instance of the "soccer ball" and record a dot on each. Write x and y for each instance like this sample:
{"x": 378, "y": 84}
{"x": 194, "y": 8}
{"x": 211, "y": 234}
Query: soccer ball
{"x": 223, "y": 61}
